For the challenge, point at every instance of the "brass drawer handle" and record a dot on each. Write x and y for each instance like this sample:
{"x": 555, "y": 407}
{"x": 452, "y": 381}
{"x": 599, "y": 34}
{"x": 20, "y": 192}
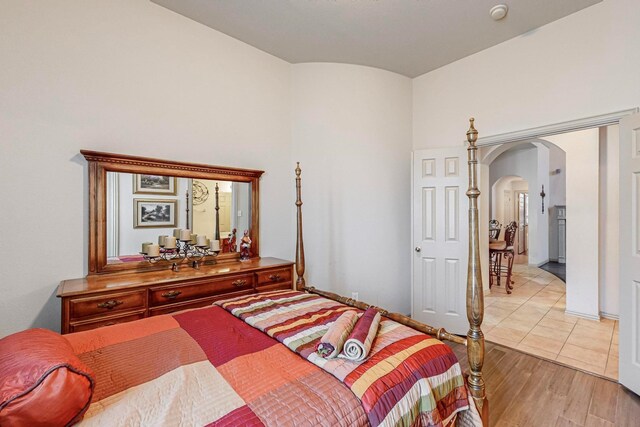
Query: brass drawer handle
{"x": 239, "y": 282}
{"x": 274, "y": 277}
{"x": 110, "y": 323}
{"x": 171, "y": 294}
{"x": 109, "y": 304}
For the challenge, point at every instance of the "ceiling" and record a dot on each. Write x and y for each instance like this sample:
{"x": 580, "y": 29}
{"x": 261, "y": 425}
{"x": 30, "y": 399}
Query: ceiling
{"x": 410, "y": 37}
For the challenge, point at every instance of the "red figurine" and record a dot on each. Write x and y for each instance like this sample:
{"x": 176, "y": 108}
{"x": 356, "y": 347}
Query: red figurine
{"x": 231, "y": 245}
{"x": 245, "y": 246}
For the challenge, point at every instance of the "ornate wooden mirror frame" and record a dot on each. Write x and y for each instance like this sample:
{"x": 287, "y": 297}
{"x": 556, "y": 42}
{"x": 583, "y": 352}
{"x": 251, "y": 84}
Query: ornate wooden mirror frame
{"x": 101, "y": 163}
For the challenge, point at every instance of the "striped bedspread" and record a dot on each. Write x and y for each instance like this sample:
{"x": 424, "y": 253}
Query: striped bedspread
{"x": 409, "y": 378}
{"x": 204, "y": 367}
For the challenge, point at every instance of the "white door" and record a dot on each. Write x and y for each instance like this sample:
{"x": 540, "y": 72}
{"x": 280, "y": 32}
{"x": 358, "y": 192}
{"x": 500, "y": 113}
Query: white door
{"x": 440, "y": 238}
{"x": 523, "y": 221}
{"x": 630, "y": 252}
{"x": 562, "y": 235}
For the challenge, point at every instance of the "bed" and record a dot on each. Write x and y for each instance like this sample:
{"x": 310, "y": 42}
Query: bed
{"x": 251, "y": 360}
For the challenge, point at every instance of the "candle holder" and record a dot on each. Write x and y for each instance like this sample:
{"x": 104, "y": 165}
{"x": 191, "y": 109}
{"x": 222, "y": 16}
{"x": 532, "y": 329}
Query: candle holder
{"x": 185, "y": 251}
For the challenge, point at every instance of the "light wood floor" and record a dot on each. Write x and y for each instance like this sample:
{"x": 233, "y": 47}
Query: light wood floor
{"x": 524, "y": 390}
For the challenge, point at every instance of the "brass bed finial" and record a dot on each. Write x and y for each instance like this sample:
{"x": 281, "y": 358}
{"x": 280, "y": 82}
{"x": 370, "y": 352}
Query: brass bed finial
{"x": 472, "y": 133}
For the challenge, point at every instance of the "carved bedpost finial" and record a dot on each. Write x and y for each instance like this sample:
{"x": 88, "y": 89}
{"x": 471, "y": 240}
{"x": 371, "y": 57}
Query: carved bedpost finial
{"x": 472, "y": 133}
{"x": 300, "y": 267}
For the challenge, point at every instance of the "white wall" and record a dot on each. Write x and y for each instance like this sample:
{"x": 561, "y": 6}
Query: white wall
{"x": 352, "y": 135}
{"x": 609, "y": 222}
{"x": 582, "y": 65}
{"x": 131, "y": 77}
{"x": 557, "y": 191}
{"x": 539, "y": 236}
{"x": 582, "y": 150}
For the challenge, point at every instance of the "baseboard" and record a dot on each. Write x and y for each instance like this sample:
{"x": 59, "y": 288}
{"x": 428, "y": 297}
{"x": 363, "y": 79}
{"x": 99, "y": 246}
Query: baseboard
{"x": 583, "y": 315}
{"x": 609, "y": 316}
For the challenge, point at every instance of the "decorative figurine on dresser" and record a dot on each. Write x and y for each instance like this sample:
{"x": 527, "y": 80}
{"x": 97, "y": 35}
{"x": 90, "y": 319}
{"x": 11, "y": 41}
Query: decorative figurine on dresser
{"x": 231, "y": 245}
{"x": 126, "y": 283}
{"x": 245, "y": 246}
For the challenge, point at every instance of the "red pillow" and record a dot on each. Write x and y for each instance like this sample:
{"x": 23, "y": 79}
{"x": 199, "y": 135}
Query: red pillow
{"x": 42, "y": 380}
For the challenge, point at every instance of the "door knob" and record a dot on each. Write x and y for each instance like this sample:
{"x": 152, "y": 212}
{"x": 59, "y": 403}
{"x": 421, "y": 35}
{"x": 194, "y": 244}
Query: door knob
{"x": 418, "y": 249}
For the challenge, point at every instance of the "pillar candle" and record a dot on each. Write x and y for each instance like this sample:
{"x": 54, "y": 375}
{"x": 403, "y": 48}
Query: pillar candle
{"x": 185, "y": 234}
{"x": 161, "y": 240}
{"x": 207, "y": 243}
{"x": 153, "y": 250}
{"x": 215, "y": 245}
{"x": 176, "y": 233}
{"x": 193, "y": 239}
{"x": 201, "y": 240}
{"x": 170, "y": 242}
{"x": 145, "y": 247}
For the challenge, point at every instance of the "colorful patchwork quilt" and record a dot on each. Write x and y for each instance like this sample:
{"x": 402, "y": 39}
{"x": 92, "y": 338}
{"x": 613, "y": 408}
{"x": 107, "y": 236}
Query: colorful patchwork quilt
{"x": 409, "y": 378}
{"x": 205, "y": 367}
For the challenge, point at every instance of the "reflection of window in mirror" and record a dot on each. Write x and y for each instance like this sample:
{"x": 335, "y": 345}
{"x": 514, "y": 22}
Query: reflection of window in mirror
{"x": 126, "y": 232}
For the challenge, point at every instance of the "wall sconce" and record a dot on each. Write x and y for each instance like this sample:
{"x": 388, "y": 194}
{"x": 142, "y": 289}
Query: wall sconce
{"x": 542, "y": 195}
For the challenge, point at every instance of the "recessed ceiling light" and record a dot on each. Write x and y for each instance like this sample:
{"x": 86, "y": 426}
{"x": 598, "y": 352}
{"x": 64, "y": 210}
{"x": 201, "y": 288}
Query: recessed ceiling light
{"x": 498, "y": 12}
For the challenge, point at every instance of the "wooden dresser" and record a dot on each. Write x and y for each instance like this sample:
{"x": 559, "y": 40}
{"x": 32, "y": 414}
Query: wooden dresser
{"x": 102, "y": 300}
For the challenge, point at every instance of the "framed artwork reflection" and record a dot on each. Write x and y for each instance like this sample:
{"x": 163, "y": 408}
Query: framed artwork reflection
{"x": 149, "y": 213}
{"x": 155, "y": 184}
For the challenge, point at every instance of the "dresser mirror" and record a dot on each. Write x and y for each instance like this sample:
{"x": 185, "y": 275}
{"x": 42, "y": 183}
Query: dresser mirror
{"x": 135, "y": 200}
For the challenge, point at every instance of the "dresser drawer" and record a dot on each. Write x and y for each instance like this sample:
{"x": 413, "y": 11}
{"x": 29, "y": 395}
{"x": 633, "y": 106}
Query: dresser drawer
{"x": 187, "y": 305}
{"x": 106, "y": 304}
{"x": 271, "y": 277}
{"x": 85, "y": 326}
{"x": 172, "y": 294}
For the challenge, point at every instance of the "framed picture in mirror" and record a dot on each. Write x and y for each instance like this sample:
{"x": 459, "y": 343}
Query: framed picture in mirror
{"x": 148, "y": 213}
{"x": 154, "y": 184}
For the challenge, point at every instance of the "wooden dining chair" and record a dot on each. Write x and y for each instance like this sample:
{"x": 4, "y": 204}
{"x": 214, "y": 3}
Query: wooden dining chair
{"x": 503, "y": 251}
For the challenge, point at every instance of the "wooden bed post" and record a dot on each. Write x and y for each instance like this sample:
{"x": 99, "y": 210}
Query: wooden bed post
{"x": 300, "y": 285}
{"x": 475, "y": 297}
{"x": 216, "y": 234}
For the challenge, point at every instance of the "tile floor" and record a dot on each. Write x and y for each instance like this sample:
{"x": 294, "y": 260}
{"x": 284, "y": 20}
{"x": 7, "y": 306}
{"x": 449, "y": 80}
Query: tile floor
{"x": 532, "y": 319}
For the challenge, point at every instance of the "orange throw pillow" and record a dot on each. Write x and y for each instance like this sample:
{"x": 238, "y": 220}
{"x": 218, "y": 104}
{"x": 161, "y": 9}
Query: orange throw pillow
{"x": 42, "y": 381}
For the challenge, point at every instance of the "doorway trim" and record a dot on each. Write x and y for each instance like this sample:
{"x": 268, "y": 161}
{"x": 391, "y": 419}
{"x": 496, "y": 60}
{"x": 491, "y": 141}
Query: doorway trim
{"x": 557, "y": 128}
{"x": 528, "y": 135}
